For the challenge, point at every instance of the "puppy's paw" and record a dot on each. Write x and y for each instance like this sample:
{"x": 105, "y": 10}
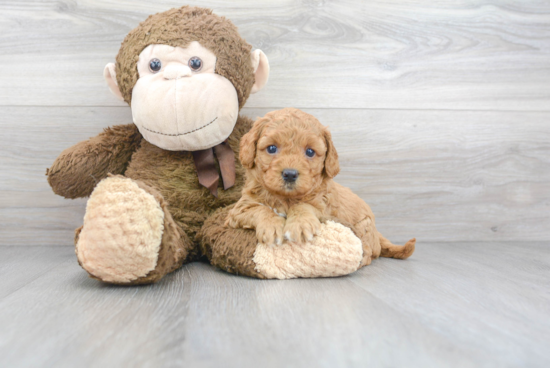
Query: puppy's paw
{"x": 302, "y": 229}
{"x": 231, "y": 221}
{"x": 271, "y": 232}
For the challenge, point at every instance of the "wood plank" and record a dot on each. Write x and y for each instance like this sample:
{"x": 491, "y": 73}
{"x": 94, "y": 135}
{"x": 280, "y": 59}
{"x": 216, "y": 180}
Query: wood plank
{"x": 21, "y": 266}
{"x": 450, "y": 305}
{"x": 435, "y": 175}
{"x": 511, "y": 289}
{"x": 476, "y": 54}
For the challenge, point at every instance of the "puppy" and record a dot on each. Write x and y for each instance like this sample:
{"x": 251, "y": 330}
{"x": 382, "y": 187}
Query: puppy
{"x": 289, "y": 191}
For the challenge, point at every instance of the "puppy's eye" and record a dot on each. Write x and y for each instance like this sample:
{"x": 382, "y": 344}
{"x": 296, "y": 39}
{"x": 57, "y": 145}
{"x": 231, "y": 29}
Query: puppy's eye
{"x": 155, "y": 65}
{"x": 271, "y": 149}
{"x": 195, "y": 64}
{"x": 310, "y": 152}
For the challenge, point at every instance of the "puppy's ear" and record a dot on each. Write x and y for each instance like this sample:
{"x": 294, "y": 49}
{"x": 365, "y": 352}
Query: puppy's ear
{"x": 332, "y": 167}
{"x": 247, "y": 152}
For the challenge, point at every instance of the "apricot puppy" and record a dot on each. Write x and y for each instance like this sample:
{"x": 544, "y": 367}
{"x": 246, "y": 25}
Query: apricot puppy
{"x": 289, "y": 191}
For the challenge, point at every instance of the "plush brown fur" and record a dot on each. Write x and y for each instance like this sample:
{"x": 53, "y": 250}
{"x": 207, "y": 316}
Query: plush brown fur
{"x": 78, "y": 169}
{"x": 231, "y": 250}
{"x": 313, "y": 198}
{"x": 174, "y": 175}
{"x": 169, "y": 176}
{"x": 179, "y": 27}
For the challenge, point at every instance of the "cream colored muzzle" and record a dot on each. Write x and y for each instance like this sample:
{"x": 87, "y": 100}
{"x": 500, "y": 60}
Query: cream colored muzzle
{"x": 178, "y": 111}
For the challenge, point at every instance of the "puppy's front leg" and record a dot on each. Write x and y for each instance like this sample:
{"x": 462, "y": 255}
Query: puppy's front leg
{"x": 302, "y": 223}
{"x": 248, "y": 214}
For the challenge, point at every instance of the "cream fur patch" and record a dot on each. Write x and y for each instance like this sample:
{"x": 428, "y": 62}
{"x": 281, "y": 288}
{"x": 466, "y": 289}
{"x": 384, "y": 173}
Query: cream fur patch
{"x": 122, "y": 231}
{"x": 335, "y": 251}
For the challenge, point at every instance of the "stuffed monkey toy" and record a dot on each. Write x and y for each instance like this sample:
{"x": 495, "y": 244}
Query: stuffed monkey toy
{"x": 161, "y": 187}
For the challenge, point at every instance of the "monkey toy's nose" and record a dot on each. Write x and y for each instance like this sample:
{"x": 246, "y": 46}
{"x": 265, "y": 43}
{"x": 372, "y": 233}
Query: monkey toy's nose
{"x": 290, "y": 175}
{"x": 176, "y": 71}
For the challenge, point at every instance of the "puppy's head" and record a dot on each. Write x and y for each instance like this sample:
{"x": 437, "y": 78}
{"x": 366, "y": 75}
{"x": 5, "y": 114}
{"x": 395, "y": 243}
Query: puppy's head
{"x": 289, "y": 153}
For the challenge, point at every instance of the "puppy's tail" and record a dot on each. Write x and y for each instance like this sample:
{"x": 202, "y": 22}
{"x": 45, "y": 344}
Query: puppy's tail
{"x": 390, "y": 250}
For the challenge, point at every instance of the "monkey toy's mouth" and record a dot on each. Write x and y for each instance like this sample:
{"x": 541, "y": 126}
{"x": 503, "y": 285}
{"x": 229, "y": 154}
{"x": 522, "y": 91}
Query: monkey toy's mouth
{"x": 180, "y": 134}
{"x": 182, "y": 119}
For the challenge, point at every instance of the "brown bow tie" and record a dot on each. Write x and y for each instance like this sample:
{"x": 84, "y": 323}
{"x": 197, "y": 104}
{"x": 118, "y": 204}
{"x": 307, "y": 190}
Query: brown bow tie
{"x": 207, "y": 171}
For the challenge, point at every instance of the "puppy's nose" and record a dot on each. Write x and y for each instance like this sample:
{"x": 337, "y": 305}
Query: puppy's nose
{"x": 290, "y": 175}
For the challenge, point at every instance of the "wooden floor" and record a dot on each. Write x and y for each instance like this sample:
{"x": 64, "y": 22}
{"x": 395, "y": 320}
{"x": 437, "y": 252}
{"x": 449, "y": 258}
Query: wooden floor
{"x": 440, "y": 114}
{"x": 450, "y": 305}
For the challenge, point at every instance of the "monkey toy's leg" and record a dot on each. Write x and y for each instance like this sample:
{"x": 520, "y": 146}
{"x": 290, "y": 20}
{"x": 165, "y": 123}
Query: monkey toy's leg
{"x": 335, "y": 251}
{"x": 230, "y": 249}
{"x": 129, "y": 236}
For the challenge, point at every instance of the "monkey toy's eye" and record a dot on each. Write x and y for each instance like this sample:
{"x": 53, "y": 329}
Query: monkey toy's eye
{"x": 310, "y": 152}
{"x": 272, "y": 149}
{"x": 195, "y": 64}
{"x": 155, "y": 65}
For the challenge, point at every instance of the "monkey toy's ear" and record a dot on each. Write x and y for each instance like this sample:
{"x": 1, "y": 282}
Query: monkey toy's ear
{"x": 261, "y": 70}
{"x": 109, "y": 73}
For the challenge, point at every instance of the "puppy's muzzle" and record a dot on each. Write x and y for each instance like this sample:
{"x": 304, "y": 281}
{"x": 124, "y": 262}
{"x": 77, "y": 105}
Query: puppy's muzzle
{"x": 290, "y": 175}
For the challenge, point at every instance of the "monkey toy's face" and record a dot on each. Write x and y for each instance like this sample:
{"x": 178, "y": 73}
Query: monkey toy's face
{"x": 179, "y": 102}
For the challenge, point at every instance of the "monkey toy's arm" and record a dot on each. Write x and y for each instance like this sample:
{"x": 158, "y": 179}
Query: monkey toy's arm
{"x": 79, "y": 168}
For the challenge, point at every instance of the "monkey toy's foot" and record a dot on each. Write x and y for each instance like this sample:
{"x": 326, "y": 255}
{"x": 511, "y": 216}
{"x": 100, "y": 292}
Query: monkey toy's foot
{"x": 128, "y": 236}
{"x": 335, "y": 251}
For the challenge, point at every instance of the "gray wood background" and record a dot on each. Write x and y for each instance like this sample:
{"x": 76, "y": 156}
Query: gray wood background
{"x": 441, "y": 114}
{"x": 440, "y": 110}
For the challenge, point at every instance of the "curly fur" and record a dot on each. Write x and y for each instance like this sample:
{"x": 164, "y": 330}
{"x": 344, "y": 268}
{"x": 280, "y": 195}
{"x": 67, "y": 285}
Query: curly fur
{"x": 280, "y": 210}
{"x": 79, "y": 168}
